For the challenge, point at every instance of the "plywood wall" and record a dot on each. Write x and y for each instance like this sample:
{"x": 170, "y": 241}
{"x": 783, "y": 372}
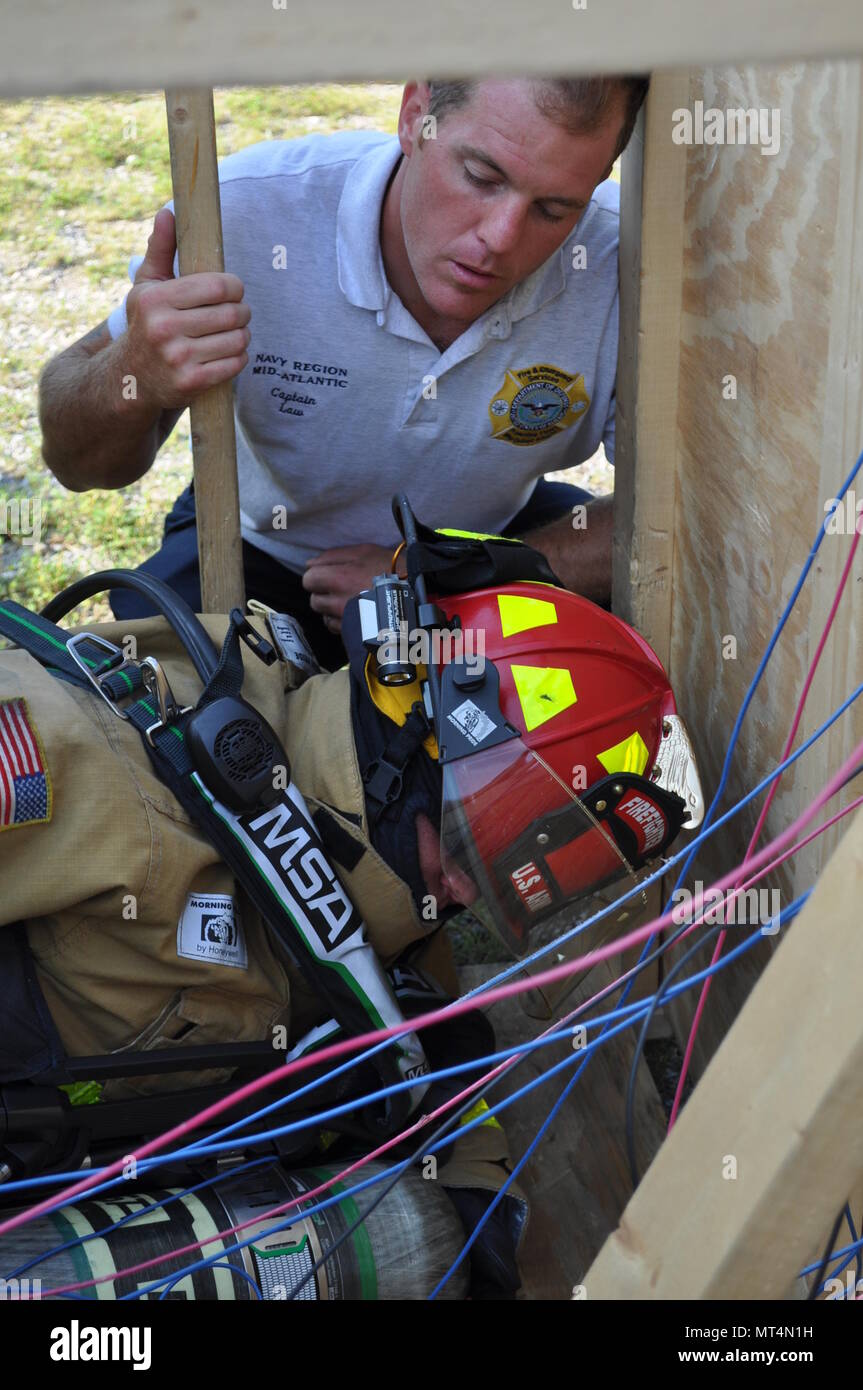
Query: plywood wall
{"x": 750, "y": 266}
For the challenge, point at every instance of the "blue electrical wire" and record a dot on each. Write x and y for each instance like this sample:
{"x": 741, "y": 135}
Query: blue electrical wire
{"x": 223, "y": 1264}
{"x": 846, "y": 1254}
{"x": 635, "y": 1012}
{"x": 691, "y": 850}
{"x": 203, "y": 1146}
{"x": 735, "y": 733}
{"x": 136, "y": 1215}
{"x": 629, "y": 1015}
{"x": 849, "y": 1217}
{"x": 836, "y": 1255}
{"x": 785, "y": 916}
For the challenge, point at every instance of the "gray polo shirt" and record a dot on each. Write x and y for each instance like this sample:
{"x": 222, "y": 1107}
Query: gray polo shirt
{"x": 346, "y": 400}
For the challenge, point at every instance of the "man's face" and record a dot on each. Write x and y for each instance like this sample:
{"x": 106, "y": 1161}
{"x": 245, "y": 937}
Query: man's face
{"x": 449, "y": 887}
{"x": 494, "y": 194}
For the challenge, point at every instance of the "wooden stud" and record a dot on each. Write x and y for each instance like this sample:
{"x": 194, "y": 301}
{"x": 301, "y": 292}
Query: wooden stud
{"x": 194, "y": 170}
{"x": 49, "y": 46}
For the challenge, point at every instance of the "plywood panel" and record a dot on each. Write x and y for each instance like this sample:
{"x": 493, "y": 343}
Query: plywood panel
{"x": 771, "y": 294}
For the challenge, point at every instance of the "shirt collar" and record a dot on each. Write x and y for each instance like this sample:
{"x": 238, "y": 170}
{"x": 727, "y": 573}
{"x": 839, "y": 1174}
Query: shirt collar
{"x": 543, "y": 284}
{"x": 362, "y": 278}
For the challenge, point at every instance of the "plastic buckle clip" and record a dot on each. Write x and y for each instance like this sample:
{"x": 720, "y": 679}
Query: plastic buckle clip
{"x": 253, "y": 640}
{"x": 383, "y": 781}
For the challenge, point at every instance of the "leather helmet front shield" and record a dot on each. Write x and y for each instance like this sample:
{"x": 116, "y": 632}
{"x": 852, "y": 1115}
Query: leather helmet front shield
{"x": 517, "y": 844}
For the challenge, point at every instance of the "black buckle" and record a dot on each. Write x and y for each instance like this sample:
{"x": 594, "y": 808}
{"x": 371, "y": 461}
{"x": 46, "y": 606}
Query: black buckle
{"x": 253, "y": 640}
{"x": 383, "y": 781}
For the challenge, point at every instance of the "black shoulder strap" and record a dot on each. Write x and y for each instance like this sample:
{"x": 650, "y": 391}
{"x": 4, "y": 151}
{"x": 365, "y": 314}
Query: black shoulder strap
{"x": 275, "y": 851}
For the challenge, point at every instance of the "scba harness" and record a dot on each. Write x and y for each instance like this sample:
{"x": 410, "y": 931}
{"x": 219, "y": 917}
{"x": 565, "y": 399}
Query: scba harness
{"x": 224, "y": 763}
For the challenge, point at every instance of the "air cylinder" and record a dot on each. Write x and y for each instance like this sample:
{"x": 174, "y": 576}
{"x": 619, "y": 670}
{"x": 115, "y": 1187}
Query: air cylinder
{"x": 400, "y": 1251}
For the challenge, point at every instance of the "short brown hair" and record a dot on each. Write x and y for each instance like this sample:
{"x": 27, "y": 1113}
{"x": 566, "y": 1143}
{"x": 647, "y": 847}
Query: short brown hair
{"x": 579, "y": 104}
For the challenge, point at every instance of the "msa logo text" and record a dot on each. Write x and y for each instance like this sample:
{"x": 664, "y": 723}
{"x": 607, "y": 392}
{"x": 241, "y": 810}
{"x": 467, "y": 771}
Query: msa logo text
{"x": 311, "y": 877}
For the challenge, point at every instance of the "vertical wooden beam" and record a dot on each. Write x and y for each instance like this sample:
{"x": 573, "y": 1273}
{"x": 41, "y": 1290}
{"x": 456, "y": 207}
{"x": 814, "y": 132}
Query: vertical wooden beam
{"x": 653, "y": 177}
{"x": 779, "y": 1106}
{"x": 652, "y": 191}
{"x": 194, "y": 171}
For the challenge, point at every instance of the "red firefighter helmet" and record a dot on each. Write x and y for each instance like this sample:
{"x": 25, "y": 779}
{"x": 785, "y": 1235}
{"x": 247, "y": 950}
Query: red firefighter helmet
{"x": 601, "y": 776}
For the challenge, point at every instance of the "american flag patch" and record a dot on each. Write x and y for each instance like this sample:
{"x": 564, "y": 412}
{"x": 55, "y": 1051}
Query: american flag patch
{"x": 25, "y": 787}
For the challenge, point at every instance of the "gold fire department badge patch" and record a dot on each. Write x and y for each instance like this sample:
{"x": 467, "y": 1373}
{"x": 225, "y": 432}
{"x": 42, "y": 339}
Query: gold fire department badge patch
{"x": 535, "y": 403}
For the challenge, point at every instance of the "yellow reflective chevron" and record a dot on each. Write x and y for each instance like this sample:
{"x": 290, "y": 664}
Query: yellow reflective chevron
{"x": 477, "y": 1110}
{"x": 544, "y": 691}
{"x": 630, "y": 755}
{"x": 518, "y": 614}
{"x": 476, "y": 535}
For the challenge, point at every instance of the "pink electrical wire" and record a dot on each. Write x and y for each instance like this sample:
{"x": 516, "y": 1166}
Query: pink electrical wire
{"x": 350, "y": 1045}
{"x": 720, "y": 943}
{"x": 425, "y": 1120}
{"x": 273, "y": 1211}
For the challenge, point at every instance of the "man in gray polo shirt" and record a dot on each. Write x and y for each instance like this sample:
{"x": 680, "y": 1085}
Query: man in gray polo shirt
{"x": 433, "y": 312}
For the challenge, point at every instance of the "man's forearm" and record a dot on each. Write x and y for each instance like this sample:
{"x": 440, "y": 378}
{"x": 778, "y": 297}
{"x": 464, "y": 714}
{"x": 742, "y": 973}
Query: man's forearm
{"x": 96, "y": 431}
{"x": 580, "y": 555}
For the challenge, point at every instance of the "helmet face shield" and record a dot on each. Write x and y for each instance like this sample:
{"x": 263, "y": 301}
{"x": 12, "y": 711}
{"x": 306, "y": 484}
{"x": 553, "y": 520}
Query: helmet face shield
{"x": 527, "y": 844}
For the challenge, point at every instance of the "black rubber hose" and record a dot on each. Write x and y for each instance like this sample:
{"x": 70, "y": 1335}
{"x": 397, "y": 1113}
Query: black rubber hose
{"x": 175, "y": 610}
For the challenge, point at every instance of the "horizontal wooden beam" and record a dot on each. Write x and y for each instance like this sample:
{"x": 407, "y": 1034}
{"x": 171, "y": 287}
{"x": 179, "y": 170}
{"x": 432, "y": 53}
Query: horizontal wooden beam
{"x": 93, "y": 45}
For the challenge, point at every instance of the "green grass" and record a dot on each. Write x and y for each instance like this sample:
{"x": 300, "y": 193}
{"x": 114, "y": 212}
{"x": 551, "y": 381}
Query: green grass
{"x": 80, "y": 181}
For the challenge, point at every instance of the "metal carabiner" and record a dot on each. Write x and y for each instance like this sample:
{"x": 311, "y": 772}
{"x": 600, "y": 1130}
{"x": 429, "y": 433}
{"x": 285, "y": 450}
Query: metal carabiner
{"x": 158, "y": 688}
